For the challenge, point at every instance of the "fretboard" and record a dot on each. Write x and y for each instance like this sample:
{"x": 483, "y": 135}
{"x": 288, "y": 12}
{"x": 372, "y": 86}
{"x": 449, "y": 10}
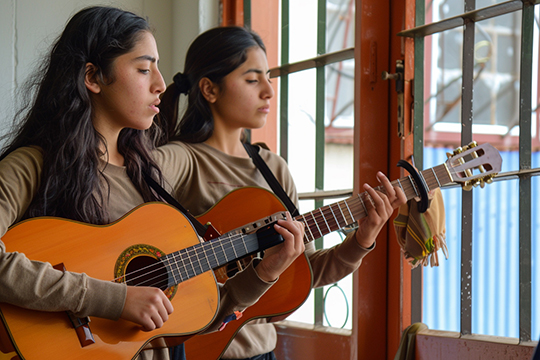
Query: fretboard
{"x": 192, "y": 261}
{"x": 330, "y": 218}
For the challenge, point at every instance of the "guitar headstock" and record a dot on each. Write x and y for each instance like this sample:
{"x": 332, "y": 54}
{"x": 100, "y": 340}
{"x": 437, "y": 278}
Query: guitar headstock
{"x": 474, "y": 165}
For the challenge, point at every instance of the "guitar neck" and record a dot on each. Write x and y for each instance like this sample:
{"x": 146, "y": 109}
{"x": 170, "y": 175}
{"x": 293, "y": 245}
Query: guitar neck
{"x": 330, "y": 218}
{"x": 192, "y": 261}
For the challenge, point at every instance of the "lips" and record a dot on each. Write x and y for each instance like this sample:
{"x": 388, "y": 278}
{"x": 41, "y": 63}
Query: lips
{"x": 154, "y": 106}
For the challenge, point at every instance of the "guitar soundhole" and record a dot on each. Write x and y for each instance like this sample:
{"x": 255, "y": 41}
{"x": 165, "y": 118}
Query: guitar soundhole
{"x": 146, "y": 271}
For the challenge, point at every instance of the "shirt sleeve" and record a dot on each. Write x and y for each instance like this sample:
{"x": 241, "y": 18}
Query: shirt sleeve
{"x": 35, "y": 284}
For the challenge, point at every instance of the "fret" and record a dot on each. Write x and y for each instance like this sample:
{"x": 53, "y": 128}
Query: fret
{"x": 362, "y": 202}
{"x": 342, "y": 214}
{"x": 334, "y": 215}
{"x": 324, "y": 218}
{"x": 413, "y": 185}
{"x": 309, "y": 228}
{"x": 425, "y": 182}
{"x": 234, "y": 248}
{"x": 399, "y": 183}
{"x": 183, "y": 276}
{"x": 206, "y": 264}
{"x": 170, "y": 268}
{"x": 317, "y": 225}
{"x": 201, "y": 257}
{"x": 229, "y": 246}
{"x": 196, "y": 254}
{"x": 214, "y": 253}
{"x": 190, "y": 273}
{"x": 223, "y": 251}
{"x": 350, "y": 213}
{"x": 306, "y": 226}
{"x": 194, "y": 258}
{"x": 436, "y": 178}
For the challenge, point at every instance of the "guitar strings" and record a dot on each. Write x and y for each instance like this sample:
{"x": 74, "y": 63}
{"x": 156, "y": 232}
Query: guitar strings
{"x": 333, "y": 218}
{"x": 190, "y": 253}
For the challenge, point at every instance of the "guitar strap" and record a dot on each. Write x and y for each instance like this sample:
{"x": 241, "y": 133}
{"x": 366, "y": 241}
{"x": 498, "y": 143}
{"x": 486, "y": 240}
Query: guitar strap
{"x": 200, "y": 228}
{"x": 270, "y": 178}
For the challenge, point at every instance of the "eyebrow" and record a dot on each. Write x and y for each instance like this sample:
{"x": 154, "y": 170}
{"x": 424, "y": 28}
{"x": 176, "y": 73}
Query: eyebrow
{"x": 146, "y": 58}
{"x": 258, "y": 71}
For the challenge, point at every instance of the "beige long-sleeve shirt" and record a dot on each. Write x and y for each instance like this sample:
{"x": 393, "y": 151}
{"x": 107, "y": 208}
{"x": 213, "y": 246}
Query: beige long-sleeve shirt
{"x": 204, "y": 175}
{"x": 36, "y": 285}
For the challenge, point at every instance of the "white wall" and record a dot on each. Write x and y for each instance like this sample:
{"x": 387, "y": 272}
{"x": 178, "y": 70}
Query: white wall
{"x": 28, "y": 28}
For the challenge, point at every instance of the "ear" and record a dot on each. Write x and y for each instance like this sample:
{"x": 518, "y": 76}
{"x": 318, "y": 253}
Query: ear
{"x": 209, "y": 90}
{"x": 91, "y": 79}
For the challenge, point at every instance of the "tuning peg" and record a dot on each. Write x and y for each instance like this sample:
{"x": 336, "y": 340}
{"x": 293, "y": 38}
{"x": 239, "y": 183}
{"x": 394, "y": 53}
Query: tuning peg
{"x": 472, "y": 144}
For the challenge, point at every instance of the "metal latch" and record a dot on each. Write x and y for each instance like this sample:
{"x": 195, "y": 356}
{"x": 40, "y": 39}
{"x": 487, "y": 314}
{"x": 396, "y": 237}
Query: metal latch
{"x": 399, "y": 77}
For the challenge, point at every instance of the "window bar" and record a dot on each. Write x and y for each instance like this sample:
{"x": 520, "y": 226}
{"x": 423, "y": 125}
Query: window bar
{"x": 467, "y": 196}
{"x": 460, "y": 20}
{"x": 418, "y": 147}
{"x": 284, "y": 84}
{"x": 247, "y": 13}
{"x": 247, "y": 24}
{"x": 319, "y": 138}
{"x": 525, "y": 306}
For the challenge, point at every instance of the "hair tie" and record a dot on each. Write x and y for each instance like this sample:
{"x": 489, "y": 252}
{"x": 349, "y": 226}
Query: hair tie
{"x": 182, "y": 83}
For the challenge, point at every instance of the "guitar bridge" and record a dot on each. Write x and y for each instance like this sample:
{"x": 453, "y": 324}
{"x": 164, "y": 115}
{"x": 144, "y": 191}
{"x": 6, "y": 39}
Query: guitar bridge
{"x": 79, "y": 324}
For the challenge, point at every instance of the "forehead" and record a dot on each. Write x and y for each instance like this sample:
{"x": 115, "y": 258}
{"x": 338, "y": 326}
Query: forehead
{"x": 145, "y": 49}
{"x": 255, "y": 59}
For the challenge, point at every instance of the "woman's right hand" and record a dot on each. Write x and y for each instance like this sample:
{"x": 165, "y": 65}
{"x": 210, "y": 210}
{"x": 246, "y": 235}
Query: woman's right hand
{"x": 146, "y": 306}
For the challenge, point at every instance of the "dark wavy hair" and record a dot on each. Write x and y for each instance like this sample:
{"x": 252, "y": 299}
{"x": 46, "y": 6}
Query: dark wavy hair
{"x": 213, "y": 54}
{"x": 57, "y": 117}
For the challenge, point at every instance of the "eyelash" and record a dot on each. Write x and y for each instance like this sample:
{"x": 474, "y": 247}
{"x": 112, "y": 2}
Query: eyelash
{"x": 144, "y": 71}
{"x": 254, "y": 81}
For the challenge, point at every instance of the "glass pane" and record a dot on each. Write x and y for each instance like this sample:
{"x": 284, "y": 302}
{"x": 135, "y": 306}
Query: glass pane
{"x": 338, "y": 165}
{"x": 339, "y": 125}
{"x": 437, "y": 10}
{"x": 302, "y": 30}
{"x": 496, "y": 81}
{"x": 303, "y": 27}
{"x": 442, "y": 285}
{"x": 339, "y": 24}
{"x": 495, "y": 282}
{"x": 338, "y": 297}
{"x": 495, "y": 258}
{"x": 301, "y": 129}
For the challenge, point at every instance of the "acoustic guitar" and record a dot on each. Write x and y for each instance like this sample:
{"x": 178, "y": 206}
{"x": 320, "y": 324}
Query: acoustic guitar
{"x": 139, "y": 249}
{"x": 469, "y": 166}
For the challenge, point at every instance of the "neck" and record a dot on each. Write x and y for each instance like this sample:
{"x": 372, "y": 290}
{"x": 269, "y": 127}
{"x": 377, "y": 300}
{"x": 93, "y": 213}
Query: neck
{"x": 110, "y": 148}
{"x": 229, "y": 144}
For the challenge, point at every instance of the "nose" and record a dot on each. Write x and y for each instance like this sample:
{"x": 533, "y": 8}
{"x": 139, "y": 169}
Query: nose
{"x": 159, "y": 83}
{"x": 268, "y": 91}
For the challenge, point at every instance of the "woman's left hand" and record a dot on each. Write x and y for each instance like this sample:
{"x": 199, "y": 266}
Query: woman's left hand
{"x": 278, "y": 258}
{"x": 379, "y": 210}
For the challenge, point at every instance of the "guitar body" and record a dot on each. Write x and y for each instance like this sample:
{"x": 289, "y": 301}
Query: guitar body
{"x": 286, "y": 295}
{"x": 105, "y": 252}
